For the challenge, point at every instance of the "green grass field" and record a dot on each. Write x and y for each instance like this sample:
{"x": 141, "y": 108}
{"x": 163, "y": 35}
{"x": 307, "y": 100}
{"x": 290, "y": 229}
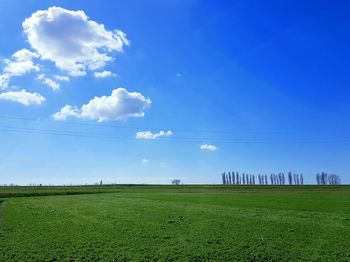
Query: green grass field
{"x": 180, "y": 223}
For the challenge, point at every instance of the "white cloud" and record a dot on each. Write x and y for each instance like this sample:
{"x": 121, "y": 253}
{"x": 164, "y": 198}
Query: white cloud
{"x": 23, "y": 97}
{"x": 65, "y": 112}
{"x": 104, "y": 74}
{"x": 71, "y": 40}
{"x": 20, "y": 64}
{"x": 178, "y": 75}
{"x": 49, "y": 82}
{"x": 121, "y": 104}
{"x": 208, "y": 147}
{"x": 62, "y": 78}
{"x": 24, "y": 55}
{"x": 145, "y": 161}
{"x": 150, "y": 135}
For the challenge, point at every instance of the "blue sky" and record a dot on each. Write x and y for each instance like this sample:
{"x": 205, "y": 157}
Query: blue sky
{"x": 250, "y": 86}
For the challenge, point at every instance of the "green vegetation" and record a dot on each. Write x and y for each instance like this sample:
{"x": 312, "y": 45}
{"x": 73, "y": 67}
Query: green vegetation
{"x": 175, "y": 223}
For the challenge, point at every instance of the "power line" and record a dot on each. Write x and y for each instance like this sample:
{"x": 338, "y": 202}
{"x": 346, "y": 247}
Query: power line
{"x": 176, "y": 129}
{"x": 167, "y": 139}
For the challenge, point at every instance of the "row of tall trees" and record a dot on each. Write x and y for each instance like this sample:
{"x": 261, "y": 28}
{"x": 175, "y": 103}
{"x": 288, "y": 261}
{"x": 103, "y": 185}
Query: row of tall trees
{"x": 327, "y": 179}
{"x": 232, "y": 178}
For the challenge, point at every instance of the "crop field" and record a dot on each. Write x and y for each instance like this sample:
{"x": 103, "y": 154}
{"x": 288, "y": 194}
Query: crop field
{"x": 175, "y": 223}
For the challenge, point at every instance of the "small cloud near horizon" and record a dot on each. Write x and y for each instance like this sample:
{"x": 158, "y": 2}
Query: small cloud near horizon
{"x": 208, "y": 147}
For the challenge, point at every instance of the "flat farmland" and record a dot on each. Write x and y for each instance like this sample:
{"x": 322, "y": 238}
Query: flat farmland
{"x": 175, "y": 223}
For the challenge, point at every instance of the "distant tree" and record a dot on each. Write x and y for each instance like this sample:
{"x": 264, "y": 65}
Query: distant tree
{"x": 266, "y": 183}
{"x": 290, "y": 178}
{"x": 229, "y": 178}
{"x": 318, "y": 179}
{"x": 294, "y": 179}
{"x": 101, "y": 183}
{"x": 333, "y": 179}
{"x": 233, "y": 178}
{"x": 237, "y": 178}
{"x": 176, "y": 182}
{"x": 223, "y": 178}
{"x": 325, "y": 178}
{"x": 271, "y": 179}
{"x": 301, "y": 179}
{"x": 243, "y": 177}
{"x": 322, "y": 178}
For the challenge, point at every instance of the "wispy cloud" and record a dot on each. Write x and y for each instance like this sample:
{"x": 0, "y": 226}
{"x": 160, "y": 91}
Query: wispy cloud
{"x": 208, "y": 147}
{"x": 49, "y": 82}
{"x": 104, "y": 74}
{"x": 145, "y": 161}
{"x": 150, "y": 135}
{"x": 62, "y": 78}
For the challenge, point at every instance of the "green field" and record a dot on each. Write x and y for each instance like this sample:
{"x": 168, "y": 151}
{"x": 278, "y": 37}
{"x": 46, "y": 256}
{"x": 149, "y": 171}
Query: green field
{"x": 175, "y": 223}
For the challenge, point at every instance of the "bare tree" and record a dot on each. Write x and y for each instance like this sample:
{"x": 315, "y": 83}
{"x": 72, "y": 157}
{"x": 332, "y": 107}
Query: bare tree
{"x": 333, "y": 179}
{"x": 290, "y": 178}
{"x": 318, "y": 179}
{"x": 176, "y": 182}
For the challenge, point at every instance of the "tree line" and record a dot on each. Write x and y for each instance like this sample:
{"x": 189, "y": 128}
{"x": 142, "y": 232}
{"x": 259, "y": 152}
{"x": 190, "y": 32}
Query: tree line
{"x": 327, "y": 179}
{"x": 235, "y": 178}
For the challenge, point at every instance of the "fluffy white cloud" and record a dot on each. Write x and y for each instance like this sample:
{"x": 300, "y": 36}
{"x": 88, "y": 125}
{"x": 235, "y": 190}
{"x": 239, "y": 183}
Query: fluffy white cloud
{"x": 104, "y": 74}
{"x": 71, "y": 40}
{"x": 150, "y": 135}
{"x": 20, "y": 64}
{"x": 62, "y": 78}
{"x": 121, "y": 104}
{"x": 23, "y": 97}
{"x": 65, "y": 112}
{"x": 208, "y": 147}
{"x": 24, "y": 55}
{"x": 49, "y": 82}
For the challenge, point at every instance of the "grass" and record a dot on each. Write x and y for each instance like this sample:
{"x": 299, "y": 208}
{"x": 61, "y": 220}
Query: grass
{"x": 184, "y": 223}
